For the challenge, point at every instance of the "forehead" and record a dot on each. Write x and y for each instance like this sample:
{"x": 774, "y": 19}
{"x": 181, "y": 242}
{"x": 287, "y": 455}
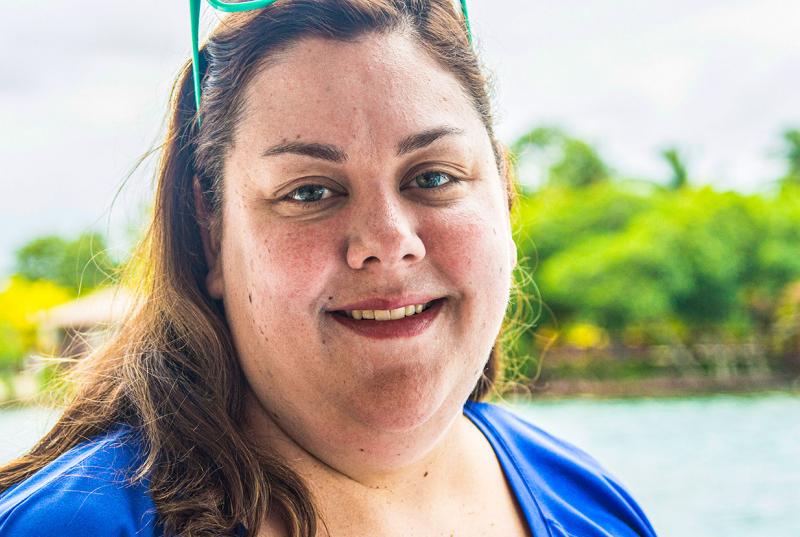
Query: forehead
{"x": 369, "y": 92}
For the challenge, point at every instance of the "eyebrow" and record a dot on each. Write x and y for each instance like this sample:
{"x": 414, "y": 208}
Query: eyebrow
{"x": 332, "y": 153}
{"x": 424, "y": 139}
{"x": 313, "y": 150}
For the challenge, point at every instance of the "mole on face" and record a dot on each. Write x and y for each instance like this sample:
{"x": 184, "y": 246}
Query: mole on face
{"x": 250, "y": 297}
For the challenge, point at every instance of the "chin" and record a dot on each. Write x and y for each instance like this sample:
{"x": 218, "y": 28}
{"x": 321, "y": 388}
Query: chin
{"x": 402, "y": 400}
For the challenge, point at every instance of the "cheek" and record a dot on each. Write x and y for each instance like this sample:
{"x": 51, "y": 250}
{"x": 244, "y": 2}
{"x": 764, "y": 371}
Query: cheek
{"x": 291, "y": 266}
{"x": 470, "y": 251}
{"x": 470, "y": 248}
{"x": 280, "y": 281}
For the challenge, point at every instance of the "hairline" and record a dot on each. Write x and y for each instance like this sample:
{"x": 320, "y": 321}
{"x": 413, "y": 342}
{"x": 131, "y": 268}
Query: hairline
{"x": 279, "y": 54}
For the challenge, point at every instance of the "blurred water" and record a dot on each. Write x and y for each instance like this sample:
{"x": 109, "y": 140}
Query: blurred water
{"x": 700, "y": 467}
{"x": 722, "y": 466}
{"x": 21, "y": 427}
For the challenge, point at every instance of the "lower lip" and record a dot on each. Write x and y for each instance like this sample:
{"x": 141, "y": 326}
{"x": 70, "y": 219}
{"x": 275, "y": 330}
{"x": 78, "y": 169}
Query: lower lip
{"x": 405, "y": 327}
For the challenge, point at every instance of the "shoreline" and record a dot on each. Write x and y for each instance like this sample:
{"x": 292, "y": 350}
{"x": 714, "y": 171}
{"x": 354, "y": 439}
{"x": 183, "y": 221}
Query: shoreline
{"x": 563, "y": 389}
{"x": 657, "y": 387}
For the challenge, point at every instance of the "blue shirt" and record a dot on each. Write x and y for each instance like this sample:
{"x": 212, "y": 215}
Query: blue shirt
{"x": 86, "y": 492}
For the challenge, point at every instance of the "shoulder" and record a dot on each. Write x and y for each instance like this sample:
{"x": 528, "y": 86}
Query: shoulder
{"x": 572, "y": 491}
{"x": 85, "y": 492}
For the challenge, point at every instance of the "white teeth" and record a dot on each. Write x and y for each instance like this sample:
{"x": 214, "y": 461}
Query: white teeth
{"x": 387, "y": 315}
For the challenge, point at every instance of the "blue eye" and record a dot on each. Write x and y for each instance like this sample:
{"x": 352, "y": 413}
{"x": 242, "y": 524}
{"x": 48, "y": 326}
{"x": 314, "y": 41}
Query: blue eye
{"x": 433, "y": 179}
{"x": 309, "y": 194}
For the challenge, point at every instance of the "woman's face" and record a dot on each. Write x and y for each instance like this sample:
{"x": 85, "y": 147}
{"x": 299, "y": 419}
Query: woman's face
{"x": 361, "y": 178}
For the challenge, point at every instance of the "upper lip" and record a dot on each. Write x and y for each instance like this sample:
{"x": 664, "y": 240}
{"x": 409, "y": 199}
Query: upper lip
{"x": 385, "y": 303}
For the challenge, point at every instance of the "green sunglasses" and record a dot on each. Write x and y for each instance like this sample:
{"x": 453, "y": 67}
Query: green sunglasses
{"x": 232, "y": 6}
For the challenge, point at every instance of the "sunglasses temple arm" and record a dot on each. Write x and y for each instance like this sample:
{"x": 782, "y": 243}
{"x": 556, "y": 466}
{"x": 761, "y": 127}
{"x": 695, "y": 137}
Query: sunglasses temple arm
{"x": 466, "y": 20}
{"x": 194, "y": 12}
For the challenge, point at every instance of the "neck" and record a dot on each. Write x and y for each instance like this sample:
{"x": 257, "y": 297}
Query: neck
{"x": 423, "y": 462}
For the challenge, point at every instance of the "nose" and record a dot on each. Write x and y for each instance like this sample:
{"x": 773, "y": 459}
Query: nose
{"x": 383, "y": 232}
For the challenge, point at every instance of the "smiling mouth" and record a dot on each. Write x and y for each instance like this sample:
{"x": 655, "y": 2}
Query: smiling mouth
{"x": 387, "y": 315}
{"x": 383, "y": 326}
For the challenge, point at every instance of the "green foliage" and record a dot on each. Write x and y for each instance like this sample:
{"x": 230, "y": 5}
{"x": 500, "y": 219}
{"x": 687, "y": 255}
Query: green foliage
{"x": 792, "y": 154}
{"x": 579, "y": 166}
{"x": 12, "y": 346}
{"x": 554, "y": 217}
{"x": 615, "y": 280}
{"x": 680, "y": 177}
{"x": 575, "y": 163}
{"x": 648, "y": 266}
{"x": 78, "y": 264}
{"x": 668, "y": 266}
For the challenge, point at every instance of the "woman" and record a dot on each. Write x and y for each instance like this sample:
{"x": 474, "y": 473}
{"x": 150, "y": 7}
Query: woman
{"x": 326, "y": 273}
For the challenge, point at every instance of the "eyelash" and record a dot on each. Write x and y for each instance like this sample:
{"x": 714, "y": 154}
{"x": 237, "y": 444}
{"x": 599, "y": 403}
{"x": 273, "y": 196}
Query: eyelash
{"x": 452, "y": 180}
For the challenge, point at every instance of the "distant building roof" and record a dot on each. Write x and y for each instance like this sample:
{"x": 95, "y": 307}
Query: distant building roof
{"x": 100, "y": 308}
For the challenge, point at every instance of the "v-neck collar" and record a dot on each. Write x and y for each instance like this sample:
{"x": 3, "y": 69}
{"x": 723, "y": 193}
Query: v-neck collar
{"x": 521, "y": 487}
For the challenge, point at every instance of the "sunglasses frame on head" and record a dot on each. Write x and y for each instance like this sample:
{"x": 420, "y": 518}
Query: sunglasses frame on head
{"x": 246, "y": 5}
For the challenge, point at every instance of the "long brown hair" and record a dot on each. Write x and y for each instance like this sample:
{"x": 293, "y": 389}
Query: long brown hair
{"x": 171, "y": 372}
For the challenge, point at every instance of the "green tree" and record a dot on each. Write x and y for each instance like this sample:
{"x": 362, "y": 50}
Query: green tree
{"x": 792, "y": 154}
{"x": 680, "y": 177}
{"x": 79, "y": 264}
{"x": 557, "y": 217}
{"x": 618, "y": 279}
{"x": 578, "y": 167}
{"x": 573, "y": 162}
{"x": 712, "y": 261}
{"x": 776, "y": 258}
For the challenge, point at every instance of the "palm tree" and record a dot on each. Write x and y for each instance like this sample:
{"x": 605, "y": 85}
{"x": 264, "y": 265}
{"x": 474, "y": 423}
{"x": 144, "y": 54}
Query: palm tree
{"x": 680, "y": 177}
{"x": 792, "y": 155}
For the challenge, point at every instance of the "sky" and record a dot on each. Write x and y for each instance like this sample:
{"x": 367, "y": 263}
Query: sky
{"x": 84, "y": 87}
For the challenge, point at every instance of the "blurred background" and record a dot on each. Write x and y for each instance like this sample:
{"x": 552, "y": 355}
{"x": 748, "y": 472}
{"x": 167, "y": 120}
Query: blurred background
{"x": 657, "y": 148}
